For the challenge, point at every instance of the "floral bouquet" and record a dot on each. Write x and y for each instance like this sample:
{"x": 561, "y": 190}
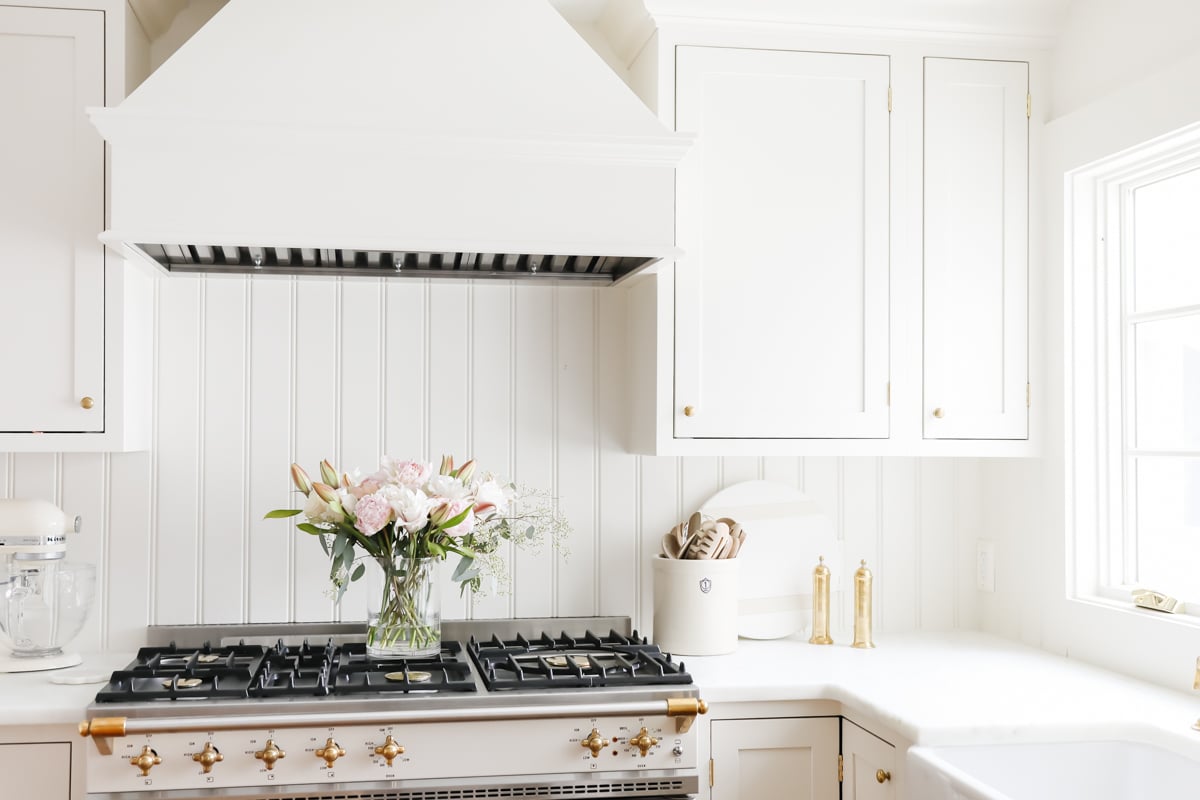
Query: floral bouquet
{"x": 407, "y": 517}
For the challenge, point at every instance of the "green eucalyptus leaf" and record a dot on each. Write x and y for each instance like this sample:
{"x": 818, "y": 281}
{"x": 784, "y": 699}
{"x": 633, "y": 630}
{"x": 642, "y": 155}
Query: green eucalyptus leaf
{"x": 464, "y": 569}
{"x": 358, "y": 572}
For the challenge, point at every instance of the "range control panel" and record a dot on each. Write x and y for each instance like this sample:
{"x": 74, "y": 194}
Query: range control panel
{"x": 219, "y": 759}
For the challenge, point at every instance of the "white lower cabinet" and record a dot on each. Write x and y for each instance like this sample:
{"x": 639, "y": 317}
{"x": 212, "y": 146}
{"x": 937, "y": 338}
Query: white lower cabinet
{"x": 775, "y": 759}
{"x": 37, "y": 771}
{"x": 868, "y": 765}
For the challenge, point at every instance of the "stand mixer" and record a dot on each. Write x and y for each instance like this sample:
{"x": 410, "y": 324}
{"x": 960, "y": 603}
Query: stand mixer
{"x": 44, "y": 599}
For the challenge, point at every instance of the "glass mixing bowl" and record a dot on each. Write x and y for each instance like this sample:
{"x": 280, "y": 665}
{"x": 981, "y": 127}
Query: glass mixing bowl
{"x": 43, "y": 604}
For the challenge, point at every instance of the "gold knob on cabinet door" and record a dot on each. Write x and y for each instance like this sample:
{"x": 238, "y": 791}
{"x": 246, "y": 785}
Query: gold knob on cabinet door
{"x": 87, "y": 402}
{"x": 270, "y": 754}
{"x": 389, "y": 749}
{"x": 882, "y": 775}
{"x": 689, "y": 411}
{"x": 939, "y": 413}
{"x": 594, "y": 742}
{"x": 208, "y": 756}
{"x": 146, "y": 760}
{"x": 331, "y": 752}
{"x": 643, "y": 741}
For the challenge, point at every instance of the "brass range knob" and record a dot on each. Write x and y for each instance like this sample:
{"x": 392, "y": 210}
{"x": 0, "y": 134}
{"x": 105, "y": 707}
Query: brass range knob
{"x": 689, "y": 411}
{"x": 331, "y": 752}
{"x": 208, "y": 756}
{"x": 146, "y": 760}
{"x": 939, "y": 413}
{"x": 594, "y": 742}
{"x": 87, "y": 402}
{"x": 882, "y": 775}
{"x": 643, "y": 741}
{"x": 270, "y": 754}
{"x": 389, "y": 749}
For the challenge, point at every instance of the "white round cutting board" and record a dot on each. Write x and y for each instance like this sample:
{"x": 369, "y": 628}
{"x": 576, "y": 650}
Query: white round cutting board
{"x": 786, "y": 533}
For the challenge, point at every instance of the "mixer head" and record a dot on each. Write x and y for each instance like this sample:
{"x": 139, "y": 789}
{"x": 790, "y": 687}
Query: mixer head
{"x": 34, "y": 530}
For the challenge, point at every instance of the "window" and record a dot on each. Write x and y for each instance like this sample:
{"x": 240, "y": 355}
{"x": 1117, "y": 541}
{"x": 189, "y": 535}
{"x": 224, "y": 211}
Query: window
{"x": 1133, "y": 246}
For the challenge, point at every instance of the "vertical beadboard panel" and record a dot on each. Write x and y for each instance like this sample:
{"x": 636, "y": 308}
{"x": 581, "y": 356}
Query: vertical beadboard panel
{"x": 658, "y": 509}
{"x": 181, "y": 385}
{"x": 128, "y": 565}
{"x": 449, "y": 375}
{"x": 617, "y": 489}
{"x": 223, "y": 536}
{"x": 936, "y": 577}
{"x": 316, "y": 377}
{"x": 901, "y": 547}
{"x": 700, "y": 479}
{"x": 405, "y": 351}
{"x": 491, "y": 414}
{"x": 736, "y": 469}
{"x": 785, "y": 470}
{"x": 575, "y": 442}
{"x": 361, "y": 401}
{"x": 822, "y": 483}
{"x": 271, "y": 542}
{"x": 968, "y": 528}
{"x": 534, "y": 438}
{"x": 35, "y": 476}
{"x": 84, "y": 493}
{"x": 860, "y": 533}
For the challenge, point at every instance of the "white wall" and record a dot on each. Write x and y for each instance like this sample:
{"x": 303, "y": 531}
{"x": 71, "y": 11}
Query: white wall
{"x": 1025, "y": 507}
{"x": 253, "y": 373}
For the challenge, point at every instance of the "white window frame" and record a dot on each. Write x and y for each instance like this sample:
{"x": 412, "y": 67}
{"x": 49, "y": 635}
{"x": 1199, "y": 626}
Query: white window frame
{"x": 1097, "y": 240}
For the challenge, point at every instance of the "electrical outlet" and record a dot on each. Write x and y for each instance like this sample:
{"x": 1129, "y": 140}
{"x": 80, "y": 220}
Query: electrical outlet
{"x": 985, "y": 566}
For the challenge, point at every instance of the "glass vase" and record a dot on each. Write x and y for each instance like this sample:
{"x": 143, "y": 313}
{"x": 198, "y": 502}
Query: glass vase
{"x": 404, "y": 609}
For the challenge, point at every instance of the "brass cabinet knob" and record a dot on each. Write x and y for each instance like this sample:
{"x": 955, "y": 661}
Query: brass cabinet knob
{"x": 331, "y": 752}
{"x": 939, "y": 413}
{"x": 270, "y": 754}
{"x": 689, "y": 411}
{"x": 208, "y": 756}
{"x": 594, "y": 742}
{"x": 87, "y": 402}
{"x": 643, "y": 741}
{"x": 389, "y": 749}
{"x": 146, "y": 760}
{"x": 882, "y": 775}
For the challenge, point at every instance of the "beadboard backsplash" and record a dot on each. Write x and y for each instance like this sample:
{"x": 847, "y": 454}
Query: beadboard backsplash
{"x": 252, "y": 374}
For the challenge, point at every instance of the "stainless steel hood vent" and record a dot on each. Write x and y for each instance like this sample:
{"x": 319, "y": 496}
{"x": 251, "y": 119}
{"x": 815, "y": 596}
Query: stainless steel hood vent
{"x": 376, "y": 263}
{"x": 437, "y": 138}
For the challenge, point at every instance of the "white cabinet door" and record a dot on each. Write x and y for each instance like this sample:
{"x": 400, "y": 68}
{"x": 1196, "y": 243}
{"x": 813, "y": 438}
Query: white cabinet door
{"x": 51, "y": 211}
{"x": 36, "y": 771}
{"x": 781, "y": 299}
{"x": 769, "y": 759}
{"x": 976, "y": 249}
{"x": 868, "y": 765}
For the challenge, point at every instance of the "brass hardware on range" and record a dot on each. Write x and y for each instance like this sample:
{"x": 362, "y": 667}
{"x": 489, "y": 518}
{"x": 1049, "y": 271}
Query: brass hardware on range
{"x": 87, "y": 402}
{"x": 643, "y": 741}
{"x": 146, "y": 760}
{"x": 882, "y": 775}
{"x": 685, "y": 709}
{"x": 270, "y": 754}
{"x": 331, "y": 752}
{"x": 862, "y": 607}
{"x": 820, "y": 604}
{"x": 389, "y": 749}
{"x": 939, "y": 413}
{"x": 594, "y": 742}
{"x": 103, "y": 726}
{"x": 689, "y": 411}
{"x": 208, "y": 756}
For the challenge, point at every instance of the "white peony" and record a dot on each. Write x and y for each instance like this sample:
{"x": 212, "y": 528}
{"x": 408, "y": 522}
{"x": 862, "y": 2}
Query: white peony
{"x": 449, "y": 488}
{"x": 410, "y": 506}
{"x": 489, "y": 491}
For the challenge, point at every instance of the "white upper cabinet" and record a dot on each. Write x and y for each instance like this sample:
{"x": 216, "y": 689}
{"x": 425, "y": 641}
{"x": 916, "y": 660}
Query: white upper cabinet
{"x": 66, "y": 305}
{"x": 781, "y": 301}
{"x": 976, "y": 232}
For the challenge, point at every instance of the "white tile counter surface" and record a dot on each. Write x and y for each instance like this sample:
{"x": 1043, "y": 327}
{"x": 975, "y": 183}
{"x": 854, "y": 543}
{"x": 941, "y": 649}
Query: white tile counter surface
{"x": 958, "y": 688}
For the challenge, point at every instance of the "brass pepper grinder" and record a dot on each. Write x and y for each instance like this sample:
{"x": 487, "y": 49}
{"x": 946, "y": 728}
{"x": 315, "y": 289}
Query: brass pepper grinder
{"x": 820, "y": 604}
{"x": 862, "y": 607}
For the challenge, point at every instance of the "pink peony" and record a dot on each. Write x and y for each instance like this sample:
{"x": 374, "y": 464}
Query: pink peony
{"x": 456, "y": 507}
{"x": 374, "y": 512}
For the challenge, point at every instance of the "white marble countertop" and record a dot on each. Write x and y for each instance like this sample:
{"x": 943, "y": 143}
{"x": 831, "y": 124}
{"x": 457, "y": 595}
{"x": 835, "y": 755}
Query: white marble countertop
{"x": 956, "y": 688}
{"x": 953, "y": 688}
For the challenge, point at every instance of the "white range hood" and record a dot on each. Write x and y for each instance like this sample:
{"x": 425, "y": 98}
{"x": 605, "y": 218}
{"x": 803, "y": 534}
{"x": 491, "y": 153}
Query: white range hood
{"x": 445, "y": 138}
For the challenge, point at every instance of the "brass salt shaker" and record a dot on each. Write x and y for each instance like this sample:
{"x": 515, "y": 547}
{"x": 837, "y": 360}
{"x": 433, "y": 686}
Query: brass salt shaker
{"x": 820, "y": 605}
{"x": 862, "y": 607}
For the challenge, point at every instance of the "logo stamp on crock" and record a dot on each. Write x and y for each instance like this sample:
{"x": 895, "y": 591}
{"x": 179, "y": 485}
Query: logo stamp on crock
{"x": 705, "y": 585}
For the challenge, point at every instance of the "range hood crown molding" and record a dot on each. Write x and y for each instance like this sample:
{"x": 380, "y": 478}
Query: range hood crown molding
{"x": 397, "y": 127}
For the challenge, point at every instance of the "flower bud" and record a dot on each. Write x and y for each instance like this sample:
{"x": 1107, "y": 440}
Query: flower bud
{"x": 300, "y": 478}
{"x": 325, "y": 492}
{"x": 440, "y": 514}
{"x": 328, "y": 473}
{"x": 466, "y": 471}
{"x": 447, "y": 467}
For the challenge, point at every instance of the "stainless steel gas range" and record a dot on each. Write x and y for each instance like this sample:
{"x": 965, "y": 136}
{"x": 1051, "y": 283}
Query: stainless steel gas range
{"x": 505, "y": 710}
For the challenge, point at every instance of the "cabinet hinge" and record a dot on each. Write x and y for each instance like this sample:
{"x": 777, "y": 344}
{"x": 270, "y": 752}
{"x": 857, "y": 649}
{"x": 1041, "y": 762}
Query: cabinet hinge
{"x": 1028, "y": 395}
{"x": 889, "y": 99}
{"x": 889, "y": 393}
{"x": 840, "y": 773}
{"x": 1028, "y": 105}
{"x": 710, "y": 773}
